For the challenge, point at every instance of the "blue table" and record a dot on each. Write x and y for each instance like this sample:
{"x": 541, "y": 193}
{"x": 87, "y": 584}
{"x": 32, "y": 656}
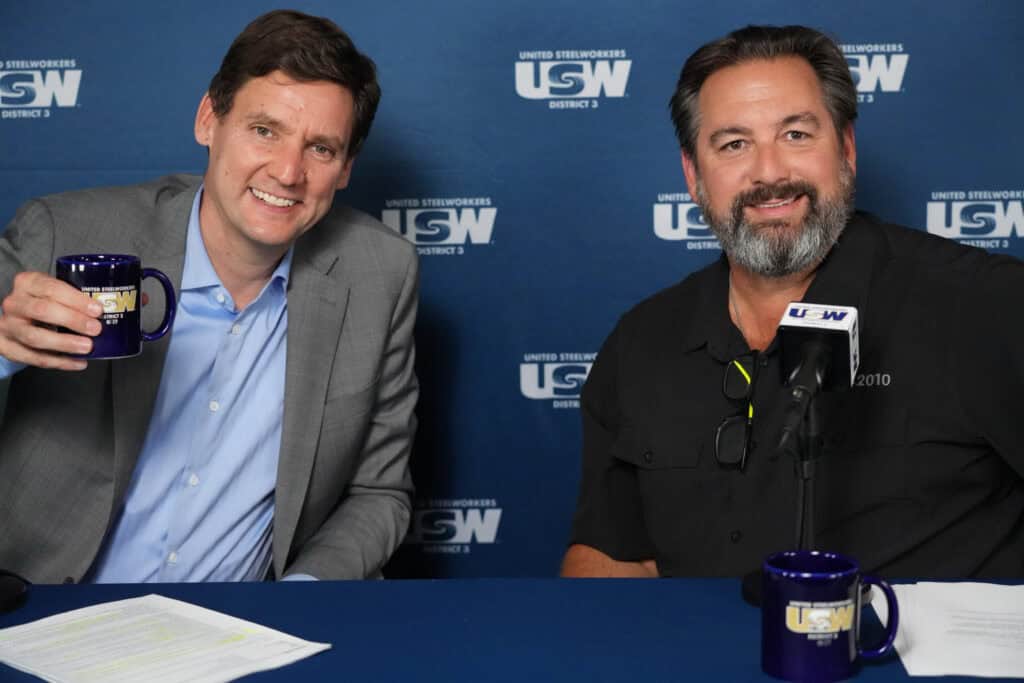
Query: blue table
{"x": 484, "y": 629}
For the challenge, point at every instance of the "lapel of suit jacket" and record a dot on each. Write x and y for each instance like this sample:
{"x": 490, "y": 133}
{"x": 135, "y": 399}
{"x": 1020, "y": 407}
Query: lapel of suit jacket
{"x": 135, "y": 381}
{"x": 316, "y": 311}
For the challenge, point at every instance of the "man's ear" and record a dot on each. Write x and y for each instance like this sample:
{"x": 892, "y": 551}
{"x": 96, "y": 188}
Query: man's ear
{"x": 205, "y": 118}
{"x": 690, "y": 171}
{"x": 849, "y": 150}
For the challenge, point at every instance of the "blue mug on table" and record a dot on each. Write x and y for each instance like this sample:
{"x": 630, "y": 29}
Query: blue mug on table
{"x": 810, "y": 616}
{"x": 115, "y": 281}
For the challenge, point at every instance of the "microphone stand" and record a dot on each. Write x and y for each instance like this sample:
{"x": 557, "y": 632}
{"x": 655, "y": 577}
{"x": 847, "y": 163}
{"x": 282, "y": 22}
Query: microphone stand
{"x": 811, "y": 446}
{"x": 802, "y": 439}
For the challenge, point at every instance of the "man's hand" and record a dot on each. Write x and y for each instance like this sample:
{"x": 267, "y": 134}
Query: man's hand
{"x": 583, "y": 561}
{"x": 37, "y": 301}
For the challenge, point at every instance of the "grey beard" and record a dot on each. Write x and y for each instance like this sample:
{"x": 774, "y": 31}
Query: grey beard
{"x": 763, "y": 250}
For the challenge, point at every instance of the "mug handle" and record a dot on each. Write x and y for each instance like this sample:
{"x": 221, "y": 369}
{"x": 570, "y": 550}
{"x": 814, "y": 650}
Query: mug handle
{"x": 893, "y": 620}
{"x": 169, "y": 301}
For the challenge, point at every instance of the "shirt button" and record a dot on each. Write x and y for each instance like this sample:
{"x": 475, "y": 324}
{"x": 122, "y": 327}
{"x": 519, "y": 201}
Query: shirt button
{"x": 736, "y": 536}
{"x": 214, "y": 406}
{"x": 221, "y": 298}
{"x": 763, "y": 362}
{"x": 172, "y": 558}
{"x": 193, "y": 480}
{"x": 236, "y": 329}
{"x": 648, "y": 457}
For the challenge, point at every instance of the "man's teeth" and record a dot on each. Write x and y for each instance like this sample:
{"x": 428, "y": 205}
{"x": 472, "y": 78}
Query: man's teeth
{"x": 775, "y": 205}
{"x": 271, "y": 199}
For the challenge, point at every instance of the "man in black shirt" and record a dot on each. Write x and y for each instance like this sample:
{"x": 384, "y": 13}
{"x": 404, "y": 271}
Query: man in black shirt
{"x": 922, "y": 465}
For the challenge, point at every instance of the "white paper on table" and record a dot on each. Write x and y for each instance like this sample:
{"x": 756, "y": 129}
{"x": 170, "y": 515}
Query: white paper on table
{"x": 959, "y": 629}
{"x": 152, "y": 638}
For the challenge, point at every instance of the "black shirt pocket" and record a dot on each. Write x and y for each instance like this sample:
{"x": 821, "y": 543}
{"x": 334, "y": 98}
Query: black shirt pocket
{"x": 676, "y": 481}
{"x": 665, "y": 447}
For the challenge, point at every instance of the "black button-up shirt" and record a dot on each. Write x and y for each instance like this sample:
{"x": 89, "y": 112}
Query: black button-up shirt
{"x": 922, "y": 469}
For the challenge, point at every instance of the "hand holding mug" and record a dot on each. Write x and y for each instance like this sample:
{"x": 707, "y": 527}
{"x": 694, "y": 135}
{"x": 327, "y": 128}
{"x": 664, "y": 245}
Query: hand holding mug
{"x": 35, "y": 306}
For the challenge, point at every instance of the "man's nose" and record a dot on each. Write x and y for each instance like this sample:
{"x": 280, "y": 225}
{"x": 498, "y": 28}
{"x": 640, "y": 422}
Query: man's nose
{"x": 287, "y": 166}
{"x": 769, "y": 165}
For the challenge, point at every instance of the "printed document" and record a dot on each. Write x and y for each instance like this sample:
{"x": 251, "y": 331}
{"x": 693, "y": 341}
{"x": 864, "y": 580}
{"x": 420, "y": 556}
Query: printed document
{"x": 152, "y": 638}
{"x": 959, "y": 629}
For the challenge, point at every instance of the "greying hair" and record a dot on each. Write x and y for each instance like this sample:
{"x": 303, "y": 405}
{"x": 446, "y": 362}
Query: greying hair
{"x": 763, "y": 42}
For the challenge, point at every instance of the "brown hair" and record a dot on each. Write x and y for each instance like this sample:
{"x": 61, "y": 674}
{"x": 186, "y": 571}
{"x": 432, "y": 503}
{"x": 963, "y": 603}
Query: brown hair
{"x": 307, "y": 48}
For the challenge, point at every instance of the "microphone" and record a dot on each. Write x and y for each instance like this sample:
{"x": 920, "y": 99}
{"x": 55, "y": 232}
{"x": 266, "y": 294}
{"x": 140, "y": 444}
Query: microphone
{"x": 820, "y": 346}
{"x": 818, "y": 339}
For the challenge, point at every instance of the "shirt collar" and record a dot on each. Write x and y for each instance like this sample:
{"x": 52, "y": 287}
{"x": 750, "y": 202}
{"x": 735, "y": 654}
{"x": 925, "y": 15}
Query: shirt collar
{"x": 842, "y": 279}
{"x": 198, "y": 272}
{"x": 711, "y": 325}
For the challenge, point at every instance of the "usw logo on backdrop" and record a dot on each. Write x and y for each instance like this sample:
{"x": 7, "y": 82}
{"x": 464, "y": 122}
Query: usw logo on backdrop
{"x": 990, "y": 219}
{"x": 32, "y": 88}
{"x": 876, "y": 68}
{"x": 572, "y": 79}
{"x": 555, "y": 377}
{"x": 442, "y": 226}
{"x": 677, "y": 218}
{"x": 453, "y": 527}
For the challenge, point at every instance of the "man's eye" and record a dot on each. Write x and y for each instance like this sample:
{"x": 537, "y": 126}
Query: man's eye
{"x": 732, "y": 146}
{"x": 262, "y": 131}
{"x": 323, "y": 150}
{"x": 797, "y": 135}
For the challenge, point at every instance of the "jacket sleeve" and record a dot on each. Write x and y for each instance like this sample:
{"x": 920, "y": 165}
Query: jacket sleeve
{"x": 26, "y": 244}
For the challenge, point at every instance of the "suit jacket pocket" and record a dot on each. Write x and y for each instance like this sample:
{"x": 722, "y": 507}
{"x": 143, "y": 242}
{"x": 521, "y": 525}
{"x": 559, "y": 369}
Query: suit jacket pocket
{"x": 345, "y": 407}
{"x": 347, "y": 417}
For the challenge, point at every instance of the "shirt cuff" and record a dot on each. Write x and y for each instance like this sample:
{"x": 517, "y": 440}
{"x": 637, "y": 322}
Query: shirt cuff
{"x": 299, "y": 577}
{"x": 8, "y": 368}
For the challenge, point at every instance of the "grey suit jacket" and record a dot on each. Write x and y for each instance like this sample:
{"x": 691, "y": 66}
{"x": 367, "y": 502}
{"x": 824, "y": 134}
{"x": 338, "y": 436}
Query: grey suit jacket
{"x": 69, "y": 441}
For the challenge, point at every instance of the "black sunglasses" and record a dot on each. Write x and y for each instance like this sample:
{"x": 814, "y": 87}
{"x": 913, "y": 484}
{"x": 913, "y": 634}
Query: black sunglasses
{"x": 732, "y": 437}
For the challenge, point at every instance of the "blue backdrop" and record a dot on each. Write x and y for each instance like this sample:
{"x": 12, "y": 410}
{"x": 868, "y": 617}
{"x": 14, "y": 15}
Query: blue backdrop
{"x": 526, "y": 147}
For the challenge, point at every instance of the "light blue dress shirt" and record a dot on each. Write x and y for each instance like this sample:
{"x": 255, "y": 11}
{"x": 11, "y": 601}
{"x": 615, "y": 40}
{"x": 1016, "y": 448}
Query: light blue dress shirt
{"x": 8, "y": 367}
{"x": 200, "y": 505}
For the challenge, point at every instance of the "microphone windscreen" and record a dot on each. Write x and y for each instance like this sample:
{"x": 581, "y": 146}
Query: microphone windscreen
{"x": 836, "y": 325}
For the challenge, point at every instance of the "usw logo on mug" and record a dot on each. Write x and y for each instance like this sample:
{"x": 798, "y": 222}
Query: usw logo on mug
{"x": 819, "y": 617}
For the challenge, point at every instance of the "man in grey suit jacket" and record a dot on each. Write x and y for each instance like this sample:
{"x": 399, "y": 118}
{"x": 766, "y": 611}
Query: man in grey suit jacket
{"x": 283, "y": 121}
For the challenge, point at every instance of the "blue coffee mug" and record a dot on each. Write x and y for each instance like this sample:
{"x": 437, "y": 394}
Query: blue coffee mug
{"x": 810, "y": 616}
{"x": 115, "y": 281}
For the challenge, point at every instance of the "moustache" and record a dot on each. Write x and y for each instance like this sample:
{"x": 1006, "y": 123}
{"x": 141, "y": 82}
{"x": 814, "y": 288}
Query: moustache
{"x": 777, "y": 191}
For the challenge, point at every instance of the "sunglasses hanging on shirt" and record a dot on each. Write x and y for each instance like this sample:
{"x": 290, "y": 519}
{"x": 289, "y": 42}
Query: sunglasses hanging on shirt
{"x": 732, "y": 437}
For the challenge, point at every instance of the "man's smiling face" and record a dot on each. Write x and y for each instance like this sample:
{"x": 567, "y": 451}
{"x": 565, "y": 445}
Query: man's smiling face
{"x": 771, "y": 174}
{"x": 276, "y": 159}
